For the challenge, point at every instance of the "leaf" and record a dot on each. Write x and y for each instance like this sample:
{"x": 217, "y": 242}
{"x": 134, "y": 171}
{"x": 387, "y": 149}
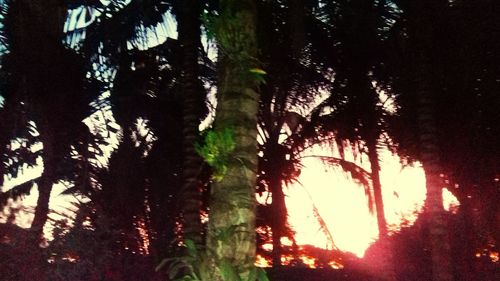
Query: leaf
{"x": 161, "y": 265}
{"x": 187, "y": 278}
{"x": 71, "y": 190}
{"x": 16, "y": 192}
{"x": 175, "y": 268}
{"x": 262, "y": 275}
{"x": 258, "y": 71}
{"x": 216, "y": 149}
{"x": 228, "y": 272}
{"x": 252, "y": 275}
{"x": 191, "y": 247}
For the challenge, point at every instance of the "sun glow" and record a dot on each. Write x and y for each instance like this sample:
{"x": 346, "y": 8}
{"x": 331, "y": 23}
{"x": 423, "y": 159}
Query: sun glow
{"x": 343, "y": 205}
{"x": 450, "y": 202}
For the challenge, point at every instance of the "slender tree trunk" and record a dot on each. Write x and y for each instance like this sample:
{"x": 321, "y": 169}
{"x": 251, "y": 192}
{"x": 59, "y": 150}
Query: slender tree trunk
{"x": 429, "y": 154}
{"x": 46, "y": 181}
{"x": 465, "y": 253}
{"x": 377, "y": 187}
{"x": 233, "y": 204}
{"x": 189, "y": 36}
{"x": 40, "y": 23}
{"x": 388, "y": 270}
{"x": 278, "y": 207}
{"x": 275, "y": 154}
{"x": 422, "y": 30}
{"x": 297, "y": 27}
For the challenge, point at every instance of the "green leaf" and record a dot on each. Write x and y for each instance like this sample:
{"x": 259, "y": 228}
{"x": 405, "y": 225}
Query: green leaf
{"x": 262, "y": 275}
{"x": 252, "y": 275}
{"x": 228, "y": 272}
{"x": 216, "y": 150}
{"x": 187, "y": 278}
{"x": 258, "y": 71}
{"x": 191, "y": 247}
{"x": 175, "y": 268}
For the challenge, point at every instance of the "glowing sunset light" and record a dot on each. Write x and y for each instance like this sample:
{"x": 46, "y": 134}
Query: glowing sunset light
{"x": 309, "y": 261}
{"x": 260, "y": 261}
{"x": 335, "y": 265}
{"x": 450, "y": 202}
{"x": 343, "y": 204}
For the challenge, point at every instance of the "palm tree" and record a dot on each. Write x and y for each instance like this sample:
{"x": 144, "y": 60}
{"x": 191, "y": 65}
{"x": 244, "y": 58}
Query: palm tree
{"x": 193, "y": 95}
{"x": 429, "y": 155}
{"x": 285, "y": 95}
{"x": 178, "y": 80}
{"x": 291, "y": 83}
{"x": 36, "y": 63}
{"x": 232, "y": 205}
{"x": 460, "y": 86}
{"x": 420, "y": 18}
{"x": 358, "y": 116}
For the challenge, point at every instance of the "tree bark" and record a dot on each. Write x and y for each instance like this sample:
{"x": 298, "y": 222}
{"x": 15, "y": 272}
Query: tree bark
{"x": 278, "y": 205}
{"x": 233, "y": 204}
{"x": 377, "y": 187}
{"x": 40, "y": 24}
{"x": 422, "y": 30}
{"x": 46, "y": 181}
{"x": 297, "y": 27}
{"x": 388, "y": 269}
{"x": 429, "y": 154}
{"x": 189, "y": 36}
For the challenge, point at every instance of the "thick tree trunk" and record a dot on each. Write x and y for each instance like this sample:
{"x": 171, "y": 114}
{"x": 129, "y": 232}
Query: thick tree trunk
{"x": 233, "y": 204}
{"x": 189, "y": 36}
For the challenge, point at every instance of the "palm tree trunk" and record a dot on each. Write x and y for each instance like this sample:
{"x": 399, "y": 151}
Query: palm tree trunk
{"x": 275, "y": 153}
{"x": 466, "y": 252}
{"x": 429, "y": 153}
{"x": 41, "y": 24}
{"x": 388, "y": 270}
{"x": 233, "y": 204}
{"x": 278, "y": 207}
{"x": 421, "y": 17}
{"x": 189, "y": 36}
{"x": 377, "y": 186}
{"x": 46, "y": 181}
{"x": 297, "y": 27}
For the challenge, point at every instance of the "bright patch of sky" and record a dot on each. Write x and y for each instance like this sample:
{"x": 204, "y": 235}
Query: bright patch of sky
{"x": 80, "y": 18}
{"x": 343, "y": 203}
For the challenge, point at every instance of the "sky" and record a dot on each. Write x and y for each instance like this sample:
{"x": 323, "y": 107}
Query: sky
{"x": 343, "y": 204}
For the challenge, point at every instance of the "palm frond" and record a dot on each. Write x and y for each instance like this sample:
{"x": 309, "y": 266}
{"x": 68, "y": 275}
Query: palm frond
{"x": 357, "y": 173}
{"x": 16, "y": 192}
{"x": 323, "y": 226}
